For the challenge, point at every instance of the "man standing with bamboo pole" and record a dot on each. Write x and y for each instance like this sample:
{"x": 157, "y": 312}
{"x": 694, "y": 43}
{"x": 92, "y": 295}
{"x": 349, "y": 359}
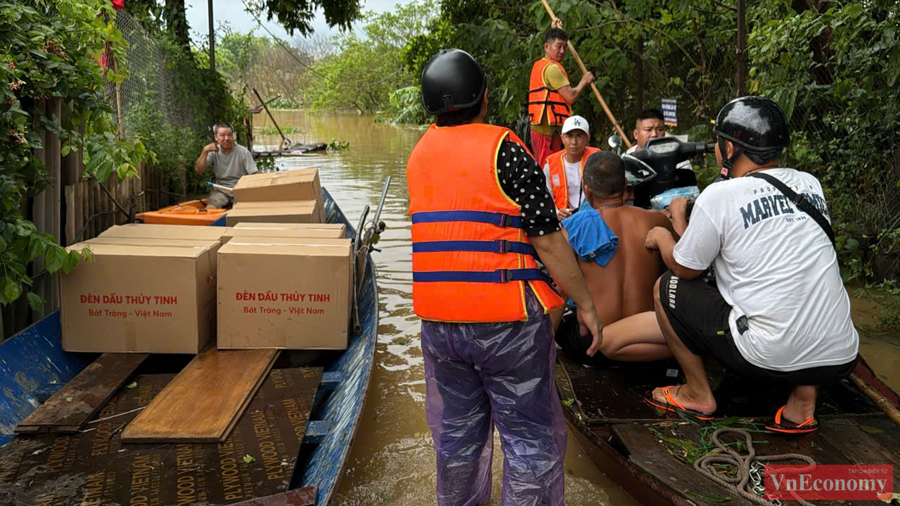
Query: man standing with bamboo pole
{"x": 550, "y": 95}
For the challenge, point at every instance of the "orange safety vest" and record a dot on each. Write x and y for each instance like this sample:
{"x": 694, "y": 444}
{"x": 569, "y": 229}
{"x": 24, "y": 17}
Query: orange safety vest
{"x": 557, "y": 175}
{"x": 540, "y": 97}
{"x": 471, "y": 257}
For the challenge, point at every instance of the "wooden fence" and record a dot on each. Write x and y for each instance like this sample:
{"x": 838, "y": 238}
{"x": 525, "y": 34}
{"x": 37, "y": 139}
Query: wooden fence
{"x": 73, "y": 209}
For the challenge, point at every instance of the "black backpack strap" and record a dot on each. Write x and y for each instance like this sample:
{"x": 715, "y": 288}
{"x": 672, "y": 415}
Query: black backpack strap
{"x": 800, "y": 201}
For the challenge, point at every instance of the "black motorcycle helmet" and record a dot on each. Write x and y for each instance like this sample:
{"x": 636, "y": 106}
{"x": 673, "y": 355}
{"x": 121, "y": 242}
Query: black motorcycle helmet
{"x": 452, "y": 80}
{"x": 756, "y": 125}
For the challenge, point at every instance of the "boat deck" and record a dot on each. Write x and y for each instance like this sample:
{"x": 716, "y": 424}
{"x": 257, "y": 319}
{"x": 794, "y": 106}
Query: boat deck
{"x": 653, "y": 454}
{"x": 258, "y": 459}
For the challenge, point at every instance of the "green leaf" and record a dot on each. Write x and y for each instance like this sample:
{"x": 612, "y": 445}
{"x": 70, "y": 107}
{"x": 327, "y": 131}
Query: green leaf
{"x": 688, "y": 417}
{"x": 35, "y": 301}
{"x": 871, "y": 430}
{"x": 2, "y": 244}
{"x": 11, "y": 291}
{"x": 248, "y": 459}
{"x": 71, "y": 261}
{"x": 68, "y": 399}
{"x": 87, "y": 255}
{"x": 131, "y": 385}
{"x": 35, "y": 248}
{"x": 54, "y": 258}
{"x": 568, "y": 402}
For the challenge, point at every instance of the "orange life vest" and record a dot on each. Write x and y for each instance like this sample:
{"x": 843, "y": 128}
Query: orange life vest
{"x": 541, "y": 98}
{"x": 557, "y": 175}
{"x": 471, "y": 257}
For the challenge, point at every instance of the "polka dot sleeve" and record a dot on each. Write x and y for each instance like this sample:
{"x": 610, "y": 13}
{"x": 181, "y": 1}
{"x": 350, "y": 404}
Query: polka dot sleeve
{"x": 523, "y": 181}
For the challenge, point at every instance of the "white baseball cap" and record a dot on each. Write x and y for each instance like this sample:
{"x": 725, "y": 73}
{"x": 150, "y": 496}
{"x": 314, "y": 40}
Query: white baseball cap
{"x": 576, "y": 123}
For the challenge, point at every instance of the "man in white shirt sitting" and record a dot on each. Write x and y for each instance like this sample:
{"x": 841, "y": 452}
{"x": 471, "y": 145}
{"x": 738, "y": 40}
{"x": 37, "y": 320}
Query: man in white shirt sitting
{"x": 780, "y": 311}
{"x": 564, "y": 169}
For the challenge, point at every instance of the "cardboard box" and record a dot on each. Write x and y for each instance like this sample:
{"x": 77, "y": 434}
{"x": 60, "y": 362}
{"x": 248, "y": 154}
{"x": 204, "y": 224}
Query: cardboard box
{"x": 165, "y": 231}
{"x": 146, "y": 241}
{"x": 140, "y": 299}
{"x": 289, "y": 296}
{"x": 320, "y": 211}
{"x": 274, "y": 212}
{"x": 292, "y": 226}
{"x": 300, "y": 184}
{"x": 275, "y": 235}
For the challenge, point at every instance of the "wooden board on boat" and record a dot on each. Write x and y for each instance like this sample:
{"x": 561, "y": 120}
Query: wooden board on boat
{"x": 614, "y": 393}
{"x": 624, "y": 437}
{"x": 838, "y": 442}
{"x": 94, "y": 467}
{"x": 80, "y": 399}
{"x": 205, "y": 400}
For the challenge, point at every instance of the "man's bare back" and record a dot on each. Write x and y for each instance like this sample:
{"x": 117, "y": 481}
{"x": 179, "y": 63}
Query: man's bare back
{"x": 625, "y": 286}
{"x": 623, "y": 292}
{"x": 623, "y": 289}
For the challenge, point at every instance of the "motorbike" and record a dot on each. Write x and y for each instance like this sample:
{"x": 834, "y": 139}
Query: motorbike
{"x": 653, "y": 173}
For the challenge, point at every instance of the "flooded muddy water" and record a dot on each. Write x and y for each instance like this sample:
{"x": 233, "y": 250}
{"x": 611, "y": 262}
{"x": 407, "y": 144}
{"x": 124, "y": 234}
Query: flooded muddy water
{"x": 392, "y": 460}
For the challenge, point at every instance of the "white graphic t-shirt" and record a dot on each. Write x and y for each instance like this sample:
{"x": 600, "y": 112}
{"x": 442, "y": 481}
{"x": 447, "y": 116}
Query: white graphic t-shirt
{"x": 775, "y": 265}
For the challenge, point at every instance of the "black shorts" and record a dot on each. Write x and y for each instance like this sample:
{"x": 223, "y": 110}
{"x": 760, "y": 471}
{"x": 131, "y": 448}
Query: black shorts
{"x": 576, "y": 345}
{"x": 699, "y": 315}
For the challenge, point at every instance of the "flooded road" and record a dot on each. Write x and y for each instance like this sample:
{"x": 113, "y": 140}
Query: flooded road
{"x": 392, "y": 460}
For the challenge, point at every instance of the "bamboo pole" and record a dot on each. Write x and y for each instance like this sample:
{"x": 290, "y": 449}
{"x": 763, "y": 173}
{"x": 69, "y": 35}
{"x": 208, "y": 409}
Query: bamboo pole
{"x": 597, "y": 94}
{"x": 881, "y": 401}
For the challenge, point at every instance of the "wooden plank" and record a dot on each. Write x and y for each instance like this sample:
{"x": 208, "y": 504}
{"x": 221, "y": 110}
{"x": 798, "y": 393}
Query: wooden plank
{"x": 94, "y": 467}
{"x": 858, "y": 447}
{"x": 79, "y": 210}
{"x": 646, "y": 452}
{"x": 80, "y": 399}
{"x": 205, "y": 400}
{"x": 70, "y": 214}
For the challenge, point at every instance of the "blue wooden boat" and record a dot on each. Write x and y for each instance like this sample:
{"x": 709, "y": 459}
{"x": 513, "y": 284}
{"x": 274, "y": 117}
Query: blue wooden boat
{"x": 33, "y": 366}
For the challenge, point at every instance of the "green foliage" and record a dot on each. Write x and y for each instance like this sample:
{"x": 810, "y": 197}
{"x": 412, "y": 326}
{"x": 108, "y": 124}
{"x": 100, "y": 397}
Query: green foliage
{"x": 368, "y": 66}
{"x": 337, "y": 145}
{"x": 50, "y": 50}
{"x": 266, "y": 164}
{"x": 836, "y": 73}
{"x": 296, "y": 15}
{"x": 406, "y": 106}
{"x": 271, "y": 130}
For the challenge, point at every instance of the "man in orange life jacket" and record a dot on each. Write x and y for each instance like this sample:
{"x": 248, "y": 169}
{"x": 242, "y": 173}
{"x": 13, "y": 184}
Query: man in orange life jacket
{"x": 564, "y": 169}
{"x": 550, "y": 95}
{"x": 481, "y": 217}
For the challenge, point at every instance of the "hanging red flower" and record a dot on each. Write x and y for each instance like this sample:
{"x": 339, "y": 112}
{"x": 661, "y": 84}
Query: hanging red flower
{"x": 118, "y": 4}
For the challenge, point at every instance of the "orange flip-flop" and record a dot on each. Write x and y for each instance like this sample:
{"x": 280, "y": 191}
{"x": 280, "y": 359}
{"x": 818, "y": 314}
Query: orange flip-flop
{"x": 780, "y": 424}
{"x": 671, "y": 405}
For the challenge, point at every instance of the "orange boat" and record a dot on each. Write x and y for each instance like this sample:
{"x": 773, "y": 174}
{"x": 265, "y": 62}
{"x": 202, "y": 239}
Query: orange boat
{"x": 185, "y": 213}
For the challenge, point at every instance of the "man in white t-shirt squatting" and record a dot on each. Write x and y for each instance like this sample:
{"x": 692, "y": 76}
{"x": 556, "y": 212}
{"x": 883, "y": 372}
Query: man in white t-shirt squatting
{"x": 564, "y": 169}
{"x": 230, "y": 161}
{"x": 780, "y": 311}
